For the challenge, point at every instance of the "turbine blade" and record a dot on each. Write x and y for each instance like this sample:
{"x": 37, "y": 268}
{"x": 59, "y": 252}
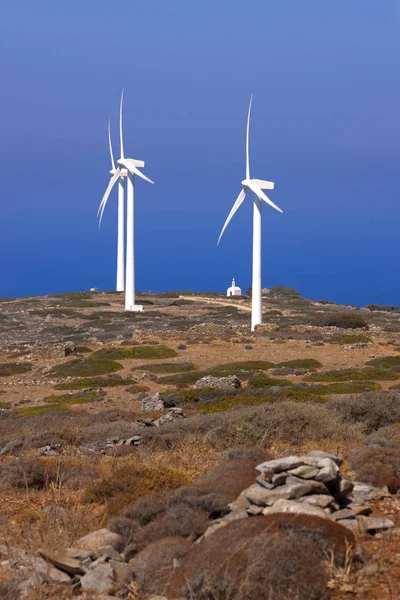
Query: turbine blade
{"x": 261, "y": 196}
{"x": 247, "y": 140}
{"x": 121, "y": 141}
{"x": 110, "y": 146}
{"x": 128, "y": 163}
{"x": 264, "y": 185}
{"x": 110, "y": 186}
{"x": 238, "y": 202}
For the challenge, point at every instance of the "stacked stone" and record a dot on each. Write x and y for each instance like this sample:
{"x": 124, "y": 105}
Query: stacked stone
{"x": 311, "y": 484}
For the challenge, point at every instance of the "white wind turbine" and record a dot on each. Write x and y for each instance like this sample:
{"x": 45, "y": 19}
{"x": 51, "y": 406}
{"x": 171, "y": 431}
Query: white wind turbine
{"x": 256, "y": 186}
{"x": 128, "y": 167}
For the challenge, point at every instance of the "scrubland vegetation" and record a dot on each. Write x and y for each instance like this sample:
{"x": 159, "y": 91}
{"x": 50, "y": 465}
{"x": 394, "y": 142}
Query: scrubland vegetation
{"x": 74, "y": 434}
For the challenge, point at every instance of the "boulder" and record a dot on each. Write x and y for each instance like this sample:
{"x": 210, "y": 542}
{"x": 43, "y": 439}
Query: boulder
{"x": 152, "y": 403}
{"x": 62, "y": 561}
{"x": 281, "y": 464}
{"x": 291, "y": 506}
{"x": 171, "y": 415}
{"x": 224, "y": 383}
{"x": 291, "y": 491}
{"x": 99, "y": 579}
{"x": 95, "y": 540}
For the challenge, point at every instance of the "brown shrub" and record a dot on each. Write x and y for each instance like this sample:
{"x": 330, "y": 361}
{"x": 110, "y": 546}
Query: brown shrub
{"x": 378, "y": 466}
{"x": 229, "y": 478}
{"x": 372, "y": 409}
{"x": 182, "y": 521}
{"x": 23, "y": 473}
{"x": 76, "y": 478}
{"x": 125, "y": 527}
{"x": 153, "y": 566}
{"x": 126, "y": 483}
{"x": 146, "y": 509}
{"x": 205, "y": 499}
{"x": 275, "y": 557}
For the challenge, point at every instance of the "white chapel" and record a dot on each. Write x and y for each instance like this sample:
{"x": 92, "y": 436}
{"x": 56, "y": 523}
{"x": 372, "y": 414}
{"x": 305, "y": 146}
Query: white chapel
{"x": 233, "y": 290}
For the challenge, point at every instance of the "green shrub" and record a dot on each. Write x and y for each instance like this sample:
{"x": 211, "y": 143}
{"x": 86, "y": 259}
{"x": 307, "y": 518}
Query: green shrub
{"x": 188, "y": 377}
{"x": 366, "y": 374}
{"x": 280, "y": 290}
{"x": 8, "y": 369}
{"x": 168, "y": 367}
{"x": 72, "y": 296}
{"x": 88, "y": 367}
{"x": 387, "y": 308}
{"x": 385, "y": 362}
{"x": 234, "y": 368}
{"x": 77, "y": 398}
{"x": 96, "y": 382}
{"x": 343, "y": 320}
{"x": 348, "y": 387}
{"x": 301, "y": 363}
{"x": 355, "y": 338}
{"x": 150, "y": 352}
{"x": 28, "y": 411}
{"x": 264, "y": 381}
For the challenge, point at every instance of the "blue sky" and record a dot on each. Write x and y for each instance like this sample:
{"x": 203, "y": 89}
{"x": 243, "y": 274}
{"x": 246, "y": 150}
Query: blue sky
{"x": 325, "y": 128}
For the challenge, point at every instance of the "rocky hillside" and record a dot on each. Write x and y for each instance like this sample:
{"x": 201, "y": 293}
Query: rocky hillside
{"x": 173, "y": 453}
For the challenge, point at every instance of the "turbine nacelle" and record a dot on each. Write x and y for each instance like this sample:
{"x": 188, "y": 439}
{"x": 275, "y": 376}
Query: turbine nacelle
{"x": 122, "y": 172}
{"x": 263, "y": 185}
{"x": 139, "y": 164}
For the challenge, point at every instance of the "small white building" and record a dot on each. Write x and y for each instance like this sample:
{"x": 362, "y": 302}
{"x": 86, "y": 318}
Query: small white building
{"x": 233, "y": 290}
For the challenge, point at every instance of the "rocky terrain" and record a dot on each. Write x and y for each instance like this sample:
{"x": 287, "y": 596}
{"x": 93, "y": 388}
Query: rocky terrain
{"x": 174, "y": 454}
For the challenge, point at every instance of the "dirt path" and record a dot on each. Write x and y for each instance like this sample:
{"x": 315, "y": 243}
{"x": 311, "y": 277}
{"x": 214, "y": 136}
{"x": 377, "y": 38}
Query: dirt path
{"x": 219, "y": 302}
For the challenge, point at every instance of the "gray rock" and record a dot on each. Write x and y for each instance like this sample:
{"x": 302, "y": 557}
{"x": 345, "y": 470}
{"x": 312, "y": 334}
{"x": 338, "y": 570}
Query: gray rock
{"x": 281, "y": 464}
{"x": 46, "y": 573}
{"x": 320, "y": 500}
{"x": 290, "y": 506}
{"x": 171, "y": 415}
{"x": 263, "y": 497}
{"x": 254, "y": 510}
{"x": 108, "y": 552}
{"x": 62, "y": 561}
{"x": 95, "y": 540}
{"x": 305, "y": 472}
{"x": 370, "y": 524}
{"x": 241, "y": 502}
{"x": 316, "y": 487}
{"x": 321, "y": 454}
{"x": 328, "y": 471}
{"x": 99, "y": 579}
{"x": 225, "y": 383}
{"x": 351, "y": 524}
{"x": 345, "y": 513}
{"x": 152, "y": 403}
{"x": 264, "y": 483}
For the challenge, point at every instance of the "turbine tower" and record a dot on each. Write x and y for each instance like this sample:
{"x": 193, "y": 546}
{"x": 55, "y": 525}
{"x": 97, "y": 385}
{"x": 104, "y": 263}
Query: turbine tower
{"x": 256, "y": 186}
{"x": 128, "y": 167}
{"x": 120, "y": 287}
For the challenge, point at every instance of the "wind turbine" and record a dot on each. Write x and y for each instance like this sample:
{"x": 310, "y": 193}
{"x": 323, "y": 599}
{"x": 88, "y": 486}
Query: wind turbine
{"x": 256, "y": 186}
{"x": 128, "y": 167}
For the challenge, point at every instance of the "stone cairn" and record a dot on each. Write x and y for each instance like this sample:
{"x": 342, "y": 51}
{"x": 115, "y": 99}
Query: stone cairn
{"x": 311, "y": 484}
